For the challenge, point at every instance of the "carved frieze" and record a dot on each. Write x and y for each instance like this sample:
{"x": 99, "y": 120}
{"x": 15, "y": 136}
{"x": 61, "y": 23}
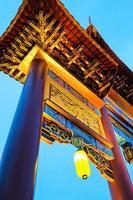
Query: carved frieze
{"x": 57, "y": 127}
{"x": 120, "y": 109}
{"x": 56, "y": 131}
{"x": 73, "y": 92}
{"x": 78, "y": 132}
{"x": 75, "y": 109}
{"x": 102, "y": 164}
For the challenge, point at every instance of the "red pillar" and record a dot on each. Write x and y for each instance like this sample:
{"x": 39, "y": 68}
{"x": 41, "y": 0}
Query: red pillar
{"x": 122, "y": 188}
{"x": 17, "y": 167}
{"x": 114, "y": 191}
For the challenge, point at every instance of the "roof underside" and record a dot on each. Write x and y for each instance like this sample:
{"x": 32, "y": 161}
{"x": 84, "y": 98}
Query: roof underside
{"x": 84, "y": 54}
{"x": 123, "y": 83}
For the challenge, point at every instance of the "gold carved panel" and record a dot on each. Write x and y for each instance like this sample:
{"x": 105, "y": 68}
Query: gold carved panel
{"x": 74, "y": 107}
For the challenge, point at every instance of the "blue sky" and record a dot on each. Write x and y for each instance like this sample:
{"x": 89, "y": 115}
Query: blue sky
{"x": 56, "y": 177}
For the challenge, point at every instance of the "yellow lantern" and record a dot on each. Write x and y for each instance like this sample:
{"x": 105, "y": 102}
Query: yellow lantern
{"x": 82, "y": 164}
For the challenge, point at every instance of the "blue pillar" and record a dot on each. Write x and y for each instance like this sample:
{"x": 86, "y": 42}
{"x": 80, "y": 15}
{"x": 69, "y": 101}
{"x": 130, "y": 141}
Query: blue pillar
{"x": 17, "y": 166}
